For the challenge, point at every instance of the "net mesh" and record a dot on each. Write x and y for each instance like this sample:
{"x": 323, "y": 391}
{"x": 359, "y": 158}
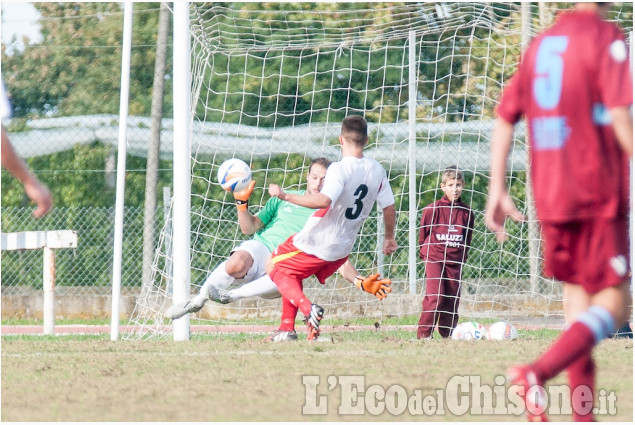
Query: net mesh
{"x": 271, "y": 84}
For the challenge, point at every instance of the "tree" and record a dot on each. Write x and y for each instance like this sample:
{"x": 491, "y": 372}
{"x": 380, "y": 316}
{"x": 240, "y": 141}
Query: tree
{"x": 77, "y": 65}
{"x": 152, "y": 168}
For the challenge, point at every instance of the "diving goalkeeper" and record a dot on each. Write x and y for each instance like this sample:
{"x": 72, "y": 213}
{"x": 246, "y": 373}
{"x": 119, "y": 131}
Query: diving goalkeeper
{"x": 271, "y": 226}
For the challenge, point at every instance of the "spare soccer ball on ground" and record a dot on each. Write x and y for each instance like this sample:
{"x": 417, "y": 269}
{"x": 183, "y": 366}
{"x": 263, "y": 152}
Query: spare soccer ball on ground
{"x": 469, "y": 330}
{"x": 502, "y": 331}
{"x": 234, "y": 175}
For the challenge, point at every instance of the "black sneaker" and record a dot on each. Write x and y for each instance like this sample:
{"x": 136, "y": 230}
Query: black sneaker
{"x": 313, "y": 322}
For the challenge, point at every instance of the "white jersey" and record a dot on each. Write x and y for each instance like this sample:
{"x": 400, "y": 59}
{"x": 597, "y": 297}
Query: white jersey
{"x": 353, "y": 185}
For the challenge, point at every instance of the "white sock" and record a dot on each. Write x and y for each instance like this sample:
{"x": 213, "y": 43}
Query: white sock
{"x": 219, "y": 278}
{"x": 261, "y": 287}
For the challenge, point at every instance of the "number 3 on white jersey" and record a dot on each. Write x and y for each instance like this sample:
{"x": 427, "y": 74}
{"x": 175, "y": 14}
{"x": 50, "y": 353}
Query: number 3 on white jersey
{"x": 360, "y": 193}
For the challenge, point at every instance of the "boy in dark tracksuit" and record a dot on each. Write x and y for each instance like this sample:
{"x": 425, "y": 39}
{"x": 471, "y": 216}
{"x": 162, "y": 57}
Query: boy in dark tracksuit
{"x": 444, "y": 238}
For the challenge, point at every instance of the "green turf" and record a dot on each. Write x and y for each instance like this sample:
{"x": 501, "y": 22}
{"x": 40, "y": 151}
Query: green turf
{"x": 345, "y": 335}
{"x": 384, "y": 321}
{"x": 238, "y": 377}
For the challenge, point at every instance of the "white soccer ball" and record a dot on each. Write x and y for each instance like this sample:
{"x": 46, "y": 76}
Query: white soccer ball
{"x": 469, "y": 330}
{"x": 502, "y": 331}
{"x": 234, "y": 175}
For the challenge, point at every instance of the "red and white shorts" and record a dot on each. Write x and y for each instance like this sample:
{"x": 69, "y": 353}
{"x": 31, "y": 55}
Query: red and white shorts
{"x": 297, "y": 264}
{"x": 591, "y": 253}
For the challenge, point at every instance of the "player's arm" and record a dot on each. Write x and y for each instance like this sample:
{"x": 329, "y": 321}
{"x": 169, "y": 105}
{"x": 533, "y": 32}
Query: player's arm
{"x": 371, "y": 284}
{"x": 33, "y": 188}
{"x": 314, "y": 200}
{"x": 390, "y": 219}
{"x": 499, "y": 203}
{"x": 622, "y": 119}
{"x": 249, "y": 224}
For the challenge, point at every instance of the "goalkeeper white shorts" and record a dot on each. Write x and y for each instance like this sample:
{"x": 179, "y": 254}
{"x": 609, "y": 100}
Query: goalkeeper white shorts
{"x": 259, "y": 253}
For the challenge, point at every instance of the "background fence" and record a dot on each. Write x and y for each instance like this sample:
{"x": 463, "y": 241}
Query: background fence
{"x": 65, "y": 95}
{"x": 88, "y": 267}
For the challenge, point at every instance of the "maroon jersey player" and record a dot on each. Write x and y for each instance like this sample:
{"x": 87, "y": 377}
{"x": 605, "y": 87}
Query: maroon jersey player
{"x": 444, "y": 240}
{"x": 574, "y": 87}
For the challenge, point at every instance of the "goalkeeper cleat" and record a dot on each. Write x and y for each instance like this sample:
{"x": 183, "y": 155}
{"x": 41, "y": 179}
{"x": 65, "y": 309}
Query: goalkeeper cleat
{"x": 313, "y": 322}
{"x": 218, "y": 295}
{"x": 180, "y": 310}
{"x": 531, "y": 390}
{"x": 279, "y": 336}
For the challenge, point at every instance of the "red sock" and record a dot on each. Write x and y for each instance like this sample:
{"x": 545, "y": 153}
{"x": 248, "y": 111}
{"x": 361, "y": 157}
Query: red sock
{"x": 575, "y": 342}
{"x": 291, "y": 289}
{"x": 289, "y": 311}
{"x": 582, "y": 383}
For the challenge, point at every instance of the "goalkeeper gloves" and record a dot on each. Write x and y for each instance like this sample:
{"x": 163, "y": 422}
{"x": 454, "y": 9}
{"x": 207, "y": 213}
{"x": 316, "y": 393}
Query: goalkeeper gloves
{"x": 242, "y": 197}
{"x": 374, "y": 285}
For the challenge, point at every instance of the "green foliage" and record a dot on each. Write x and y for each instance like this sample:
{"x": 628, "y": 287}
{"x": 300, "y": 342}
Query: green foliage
{"x": 361, "y": 75}
{"x": 90, "y": 265}
{"x": 77, "y": 66}
{"x": 78, "y": 178}
{"x": 76, "y": 69}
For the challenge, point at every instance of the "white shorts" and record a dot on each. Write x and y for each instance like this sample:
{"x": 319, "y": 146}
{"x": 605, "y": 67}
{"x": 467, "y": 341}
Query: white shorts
{"x": 259, "y": 253}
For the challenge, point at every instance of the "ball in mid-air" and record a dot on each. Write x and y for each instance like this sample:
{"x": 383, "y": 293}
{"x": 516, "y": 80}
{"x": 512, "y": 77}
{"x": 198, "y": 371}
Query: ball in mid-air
{"x": 234, "y": 175}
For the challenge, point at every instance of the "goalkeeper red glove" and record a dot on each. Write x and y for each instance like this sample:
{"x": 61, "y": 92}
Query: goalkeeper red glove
{"x": 242, "y": 197}
{"x": 373, "y": 285}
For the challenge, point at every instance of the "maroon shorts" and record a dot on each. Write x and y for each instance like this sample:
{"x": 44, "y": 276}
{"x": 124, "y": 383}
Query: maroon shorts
{"x": 593, "y": 253}
{"x": 299, "y": 265}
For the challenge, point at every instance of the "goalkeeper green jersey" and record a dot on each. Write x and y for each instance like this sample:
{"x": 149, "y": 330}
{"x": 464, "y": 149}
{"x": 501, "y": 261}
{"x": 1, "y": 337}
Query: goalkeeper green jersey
{"x": 281, "y": 219}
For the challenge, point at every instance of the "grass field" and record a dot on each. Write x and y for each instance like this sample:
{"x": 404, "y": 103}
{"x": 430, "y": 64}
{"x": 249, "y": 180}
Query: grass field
{"x": 238, "y": 377}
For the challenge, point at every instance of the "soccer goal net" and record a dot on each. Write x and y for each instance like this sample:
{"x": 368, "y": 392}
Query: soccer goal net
{"x": 271, "y": 85}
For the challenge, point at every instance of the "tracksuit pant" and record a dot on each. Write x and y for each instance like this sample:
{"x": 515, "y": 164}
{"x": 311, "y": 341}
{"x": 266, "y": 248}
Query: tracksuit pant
{"x": 441, "y": 302}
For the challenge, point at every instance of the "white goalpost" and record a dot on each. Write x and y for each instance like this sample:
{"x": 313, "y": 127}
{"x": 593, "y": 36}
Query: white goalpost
{"x": 181, "y": 205}
{"x": 121, "y": 171}
{"x": 270, "y": 84}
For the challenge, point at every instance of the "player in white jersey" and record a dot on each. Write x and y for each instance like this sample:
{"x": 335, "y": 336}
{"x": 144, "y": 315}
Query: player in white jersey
{"x": 246, "y": 265}
{"x": 350, "y": 190}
